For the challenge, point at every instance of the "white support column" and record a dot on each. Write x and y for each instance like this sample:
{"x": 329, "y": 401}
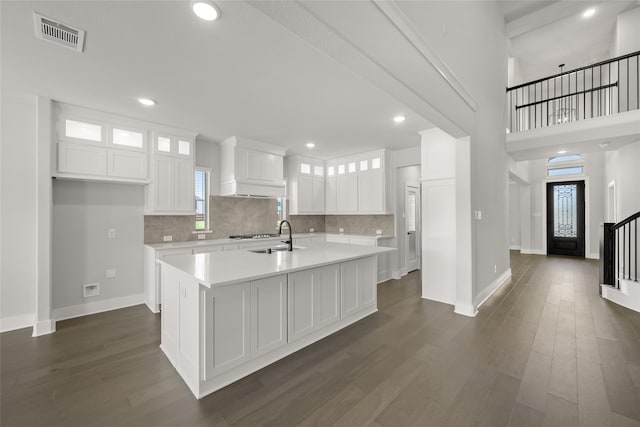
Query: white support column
{"x": 464, "y": 226}
{"x": 447, "y": 239}
{"x": 44, "y": 324}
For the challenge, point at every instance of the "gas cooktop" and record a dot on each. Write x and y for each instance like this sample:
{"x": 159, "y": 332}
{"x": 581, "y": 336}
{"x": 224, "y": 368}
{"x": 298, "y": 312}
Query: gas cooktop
{"x": 253, "y": 236}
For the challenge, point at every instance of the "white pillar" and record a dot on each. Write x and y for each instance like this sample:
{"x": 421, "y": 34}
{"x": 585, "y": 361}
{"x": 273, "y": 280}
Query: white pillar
{"x": 44, "y": 201}
{"x": 447, "y": 239}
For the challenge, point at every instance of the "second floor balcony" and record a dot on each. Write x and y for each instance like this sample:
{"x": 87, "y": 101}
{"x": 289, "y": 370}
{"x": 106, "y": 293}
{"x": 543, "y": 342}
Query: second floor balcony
{"x": 602, "y": 89}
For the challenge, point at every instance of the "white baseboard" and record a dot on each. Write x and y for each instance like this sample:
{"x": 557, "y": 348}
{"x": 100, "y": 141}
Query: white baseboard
{"x": 493, "y": 287}
{"x": 465, "y": 310}
{"x": 45, "y": 327}
{"x": 593, "y": 256}
{"x": 97, "y": 307}
{"x": 514, "y": 247}
{"x": 396, "y": 275}
{"x": 16, "y": 322}
{"x": 533, "y": 251}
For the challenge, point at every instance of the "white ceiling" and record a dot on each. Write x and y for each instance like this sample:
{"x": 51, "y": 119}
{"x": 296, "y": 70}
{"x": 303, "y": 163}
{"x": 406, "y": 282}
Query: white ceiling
{"x": 243, "y": 75}
{"x": 544, "y": 34}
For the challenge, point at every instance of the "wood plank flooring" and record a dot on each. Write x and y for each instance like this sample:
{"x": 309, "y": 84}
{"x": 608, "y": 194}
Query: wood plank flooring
{"x": 545, "y": 350}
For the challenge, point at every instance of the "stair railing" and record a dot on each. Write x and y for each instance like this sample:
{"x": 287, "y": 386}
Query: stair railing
{"x": 619, "y": 251}
{"x": 601, "y": 89}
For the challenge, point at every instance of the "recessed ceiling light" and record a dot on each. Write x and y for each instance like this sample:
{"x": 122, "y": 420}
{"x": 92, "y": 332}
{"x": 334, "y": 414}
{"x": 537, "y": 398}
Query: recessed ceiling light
{"x": 205, "y": 9}
{"x": 399, "y": 119}
{"x": 310, "y": 145}
{"x": 562, "y": 152}
{"x": 589, "y": 12}
{"x": 147, "y": 101}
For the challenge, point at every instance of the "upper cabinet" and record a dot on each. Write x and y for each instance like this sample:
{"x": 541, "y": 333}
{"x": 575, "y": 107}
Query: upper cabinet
{"x": 306, "y": 190}
{"x": 357, "y": 184}
{"x": 171, "y": 191}
{"x": 251, "y": 168}
{"x": 98, "y": 146}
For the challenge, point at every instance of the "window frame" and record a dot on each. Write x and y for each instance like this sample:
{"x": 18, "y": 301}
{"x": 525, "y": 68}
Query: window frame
{"x": 207, "y": 203}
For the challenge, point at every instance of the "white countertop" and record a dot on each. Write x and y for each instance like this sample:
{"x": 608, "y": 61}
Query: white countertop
{"x": 214, "y": 242}
{"x": 226, "y": 268}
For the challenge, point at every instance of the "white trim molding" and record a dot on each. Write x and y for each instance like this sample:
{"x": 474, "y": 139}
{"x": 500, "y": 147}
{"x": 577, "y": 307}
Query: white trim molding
{"x": 533, "y": 251}
{"x": 493, "y": 287}
{"x": 16, "y": 322}
{"x": 465, "y": 310}
{"x": 44, "y": 327}
{"x": 97, "y": 307}
{"x": 397, "y": 17}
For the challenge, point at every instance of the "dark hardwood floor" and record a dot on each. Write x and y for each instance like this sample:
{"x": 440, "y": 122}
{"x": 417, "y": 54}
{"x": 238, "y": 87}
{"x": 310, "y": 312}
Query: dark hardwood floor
{"x": 544, "y": 350}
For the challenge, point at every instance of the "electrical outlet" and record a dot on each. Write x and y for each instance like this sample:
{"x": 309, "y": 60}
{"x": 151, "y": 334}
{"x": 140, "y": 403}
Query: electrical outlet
{"x": 110, "y": 273}
{"x": 91, "y": 290}
{"x": 111, "y": 233}
{"x": 312, "y": 230}
{"x": 167, "y": 238}
{"x": 201, "y": 236}
{"x": 378, "y": 231}
{"x": 340, "y": 230}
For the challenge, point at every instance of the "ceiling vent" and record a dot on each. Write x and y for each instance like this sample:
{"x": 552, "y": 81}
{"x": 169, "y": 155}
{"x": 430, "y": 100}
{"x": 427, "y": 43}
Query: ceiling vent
{"x": 58, "y": 33}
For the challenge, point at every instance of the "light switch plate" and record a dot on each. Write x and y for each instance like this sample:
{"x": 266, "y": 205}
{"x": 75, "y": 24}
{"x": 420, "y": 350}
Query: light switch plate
{"x": 378, "y": 231}
{"x": 340, "y": 230}
{"x": 311, "y": 230}
{"x": 110, "y": 273}
{"x": 201, "y": 236}
{"x": 91, "y": 290}
{"x": 111, "y": 233}
{"x": 167, "y": 238}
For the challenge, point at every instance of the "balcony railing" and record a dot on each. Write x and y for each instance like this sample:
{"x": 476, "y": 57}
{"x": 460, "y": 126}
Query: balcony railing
{"x": 619, "y": 251}
{"x": 608, "y": 87}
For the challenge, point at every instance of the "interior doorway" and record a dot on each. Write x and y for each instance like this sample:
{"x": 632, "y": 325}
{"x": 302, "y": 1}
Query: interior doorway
{"x": 412, "y": 227}
{"x": 565, "y": 218}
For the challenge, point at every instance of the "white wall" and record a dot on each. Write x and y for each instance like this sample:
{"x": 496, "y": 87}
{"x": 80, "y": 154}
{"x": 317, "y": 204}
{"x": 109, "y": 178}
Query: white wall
{"x": 82, "y": 214}
{"x": 514, "y": 215}
{"x": 208, "y": 156}
{"x": 627, "y": 37}
{"x": 621, "y": 166}
{"x": 17, "y": 190}
{"x": 594, "y": 200}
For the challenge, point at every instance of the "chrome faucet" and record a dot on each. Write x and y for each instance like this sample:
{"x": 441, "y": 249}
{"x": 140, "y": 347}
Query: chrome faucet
{"x": 290, "y": 241}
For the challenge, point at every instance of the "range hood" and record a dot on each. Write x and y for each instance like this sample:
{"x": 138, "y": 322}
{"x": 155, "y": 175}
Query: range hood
{"x": 251, "y": 168}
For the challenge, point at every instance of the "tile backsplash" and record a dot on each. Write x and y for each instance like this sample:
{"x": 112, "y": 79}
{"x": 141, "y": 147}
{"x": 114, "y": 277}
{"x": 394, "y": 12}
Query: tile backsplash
{"x": 243, "y": 215}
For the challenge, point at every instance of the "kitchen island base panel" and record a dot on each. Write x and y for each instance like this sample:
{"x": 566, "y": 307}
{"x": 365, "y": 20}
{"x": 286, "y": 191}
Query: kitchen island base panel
{"x": 209, "y": 334}
{"x": 223, "y": 380}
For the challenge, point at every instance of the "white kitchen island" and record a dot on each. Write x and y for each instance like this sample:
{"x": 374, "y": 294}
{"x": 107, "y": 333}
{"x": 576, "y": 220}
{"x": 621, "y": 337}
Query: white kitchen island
{"x": 228, "y": 314}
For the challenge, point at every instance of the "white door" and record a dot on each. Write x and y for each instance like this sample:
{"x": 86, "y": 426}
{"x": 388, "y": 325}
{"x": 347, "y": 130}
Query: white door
{"x": 412, "y": 227}
{"x": 268, "y": 314}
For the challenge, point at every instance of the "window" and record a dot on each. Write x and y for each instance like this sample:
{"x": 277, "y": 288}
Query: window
{"x": 375, "y": 163}
{"x": 572, "y": 170}
{"x": 127, "y": 138}
{"x": 184, "y": 147}
{"x": 352, "y": 167}
{"x": 305, "y": 168}
{"x": 331, "y": 170}
{"x": 318, "y": 170}
{"x": 83, "y": 130}
{"x": 280, "y": 210}
{"x": 164, "y": 144}
{"x": 364, "y": 165}
{"x": 202, "y": 176}
{"x": 565, "y": 158}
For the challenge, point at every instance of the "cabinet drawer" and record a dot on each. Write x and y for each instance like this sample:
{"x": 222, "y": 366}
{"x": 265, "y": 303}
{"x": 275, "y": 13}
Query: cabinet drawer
{"x": 82, "y": 159}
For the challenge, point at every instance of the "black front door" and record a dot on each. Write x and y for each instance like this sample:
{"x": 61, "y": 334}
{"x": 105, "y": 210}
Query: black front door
{"x": 565, "y": 218}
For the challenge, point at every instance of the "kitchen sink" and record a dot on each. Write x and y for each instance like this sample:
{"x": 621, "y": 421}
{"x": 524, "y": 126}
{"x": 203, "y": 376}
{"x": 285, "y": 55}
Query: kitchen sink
{"x": 271, "y": 250}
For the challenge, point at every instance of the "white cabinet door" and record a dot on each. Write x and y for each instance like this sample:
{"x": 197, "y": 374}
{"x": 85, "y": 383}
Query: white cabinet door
{"x": 302, "y": 319}
{"x": 328, "y": 295}
{"x": 82, "y": 159}
{"x": 317, "y": 194}
{"x": 314, "y": 300}
{"x": 268, "y": 314}
{"x": 349, "y": 294}
{"x": 365, "y": 191}
{"x": 163, "y": 184}
{"x": 305, "y": 194}
{"x": 127, "y": 164}
{"x": 183, "y": 185}
{"x": 227, "y": 328}
{"x": 358, "y": 285}
{"x": 347, "y": 193}
{"x": 331, "y": 194}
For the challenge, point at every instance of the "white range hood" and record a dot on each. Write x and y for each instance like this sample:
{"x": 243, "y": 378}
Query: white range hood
{"x": 251, "y": 168}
